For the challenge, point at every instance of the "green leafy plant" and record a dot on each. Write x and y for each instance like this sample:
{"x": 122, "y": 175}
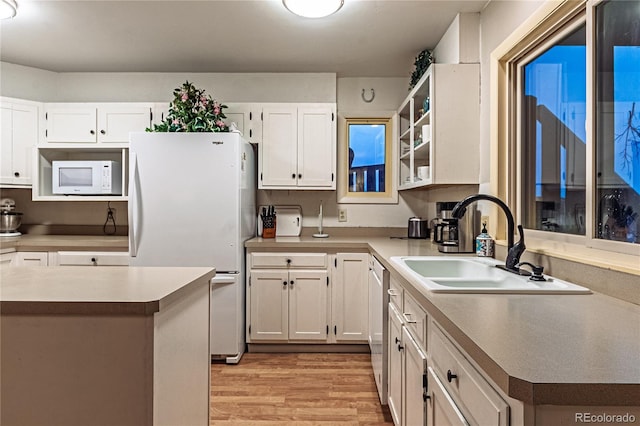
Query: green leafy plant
{"x": 192, "y": 110}
{"x": 423, "y": 60}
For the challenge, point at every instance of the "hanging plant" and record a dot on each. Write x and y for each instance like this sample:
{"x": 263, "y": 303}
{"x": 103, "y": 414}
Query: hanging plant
{"x": 192, "y": 110}
{"x": 423, "y": 60}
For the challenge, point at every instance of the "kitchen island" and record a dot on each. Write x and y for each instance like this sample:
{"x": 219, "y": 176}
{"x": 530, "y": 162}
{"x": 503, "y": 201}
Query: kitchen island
{"x": 86, "y": 345}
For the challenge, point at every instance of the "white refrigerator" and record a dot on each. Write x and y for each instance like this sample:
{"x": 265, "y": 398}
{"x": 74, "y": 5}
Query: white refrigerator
{"x": 192, "y": 203}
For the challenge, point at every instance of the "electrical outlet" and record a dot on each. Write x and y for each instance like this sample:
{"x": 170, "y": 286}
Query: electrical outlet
{"x": 342, "y": 215}
{"x": 484, "y": 220}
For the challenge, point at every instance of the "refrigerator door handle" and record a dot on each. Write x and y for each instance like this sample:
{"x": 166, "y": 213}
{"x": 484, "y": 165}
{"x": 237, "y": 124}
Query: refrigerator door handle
{"x": 222, "y": 280}
{"x": 133, "y": 204}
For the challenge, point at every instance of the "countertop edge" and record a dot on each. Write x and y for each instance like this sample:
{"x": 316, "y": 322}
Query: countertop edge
{"x": 79, "y": 308}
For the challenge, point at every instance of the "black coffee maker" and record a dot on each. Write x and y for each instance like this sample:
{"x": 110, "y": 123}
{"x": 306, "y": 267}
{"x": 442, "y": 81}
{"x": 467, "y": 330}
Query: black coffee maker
{"x": 455, "y": 235}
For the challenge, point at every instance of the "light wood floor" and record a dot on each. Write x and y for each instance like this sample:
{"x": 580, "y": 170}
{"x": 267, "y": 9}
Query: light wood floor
{"x": 301, "y": 389}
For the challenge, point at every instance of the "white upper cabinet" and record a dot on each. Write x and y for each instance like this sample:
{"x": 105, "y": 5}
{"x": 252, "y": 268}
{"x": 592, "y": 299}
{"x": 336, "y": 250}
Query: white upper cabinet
{"x": 439, "y": 125}
{"x": 19, "y": 136}
{"x": 298, "y": 147}
{"x": 246, "y": 116}
{"x": 95, "y": 123}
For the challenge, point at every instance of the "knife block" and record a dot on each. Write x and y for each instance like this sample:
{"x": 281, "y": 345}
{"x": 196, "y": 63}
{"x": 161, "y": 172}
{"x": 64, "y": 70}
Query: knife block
{"x": 269, "y": 229}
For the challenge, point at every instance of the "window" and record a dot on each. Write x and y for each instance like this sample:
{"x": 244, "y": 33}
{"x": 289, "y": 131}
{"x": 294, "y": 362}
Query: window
{"x": 568, "y": 124}
{"x": 617, "y": 120}
{"x": 553, "y": 135}
{"x": 367, "y": 166}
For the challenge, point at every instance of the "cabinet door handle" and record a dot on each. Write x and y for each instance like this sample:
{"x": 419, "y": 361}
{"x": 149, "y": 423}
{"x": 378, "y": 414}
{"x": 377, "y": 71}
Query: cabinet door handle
{"x": 16, "y": 174}
{"x": 284, "y": 283}
{"x": 391, "y": 292}
{"x": 102, "y": 132}
{"x": 407, "y": 318}
{"x": 451, "y": 376}
{"x": 93, "y": 132}
{"x": 400, "y": 348}
{"x": 291, "y": 282}
{"x": 299, "y": 176}
{"x": 397, "y": 340}
{"x": 293, "y": 175}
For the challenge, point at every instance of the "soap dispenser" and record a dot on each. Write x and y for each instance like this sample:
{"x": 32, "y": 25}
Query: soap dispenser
{"x": 484, "y": 243}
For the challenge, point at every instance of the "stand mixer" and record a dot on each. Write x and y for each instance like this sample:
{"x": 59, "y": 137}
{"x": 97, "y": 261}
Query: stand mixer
{"x": 9, "y": 219}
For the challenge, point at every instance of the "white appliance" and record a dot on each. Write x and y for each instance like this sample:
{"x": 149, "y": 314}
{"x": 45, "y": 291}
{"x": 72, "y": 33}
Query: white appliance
{"x": 76, "y": 177}
{"x": 192, "y": 203}
{"x": 378, "y": 314}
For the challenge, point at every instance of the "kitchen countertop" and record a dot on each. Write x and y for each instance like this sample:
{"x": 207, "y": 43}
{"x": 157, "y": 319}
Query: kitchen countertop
{"x": 91, "y": 290}
{"x": 29, "y": 242}
{"x": 540, "y": 349}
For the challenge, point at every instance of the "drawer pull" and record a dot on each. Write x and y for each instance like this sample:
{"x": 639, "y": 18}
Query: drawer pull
{"x": 407, "y": 318}
{"x": 451, "y": 376}
{"x": 288, "y": 261}
{"x": 94, "y": 261}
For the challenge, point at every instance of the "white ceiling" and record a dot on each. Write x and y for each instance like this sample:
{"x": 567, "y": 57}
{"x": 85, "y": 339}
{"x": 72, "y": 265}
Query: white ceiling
{"x": 366, "y": 38}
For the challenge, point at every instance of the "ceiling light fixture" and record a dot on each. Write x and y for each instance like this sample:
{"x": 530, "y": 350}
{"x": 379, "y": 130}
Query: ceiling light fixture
{"x": 8, "y": 9}
{"x": 313, "y": 8}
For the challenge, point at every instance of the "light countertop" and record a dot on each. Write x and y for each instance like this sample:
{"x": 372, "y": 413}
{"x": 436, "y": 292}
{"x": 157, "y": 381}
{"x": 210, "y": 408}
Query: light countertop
{"x": 87, "y": 289}
{"x": 30, "y": 242}
{"x": 540, "y": 349}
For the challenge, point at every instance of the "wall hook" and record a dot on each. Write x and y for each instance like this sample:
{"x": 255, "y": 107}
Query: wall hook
{"x": 373, "y": 95}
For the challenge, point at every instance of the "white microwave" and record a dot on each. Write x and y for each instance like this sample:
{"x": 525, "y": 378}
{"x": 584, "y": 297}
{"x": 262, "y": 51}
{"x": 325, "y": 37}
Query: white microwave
{"x": 86, "y": 177}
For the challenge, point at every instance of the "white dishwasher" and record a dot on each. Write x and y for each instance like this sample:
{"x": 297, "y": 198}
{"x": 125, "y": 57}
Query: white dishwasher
{"x": 378, "y": 314}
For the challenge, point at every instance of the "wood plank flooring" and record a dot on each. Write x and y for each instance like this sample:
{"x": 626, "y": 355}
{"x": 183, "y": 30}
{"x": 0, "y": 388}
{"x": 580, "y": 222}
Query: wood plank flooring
{"x": 296, "y": 388}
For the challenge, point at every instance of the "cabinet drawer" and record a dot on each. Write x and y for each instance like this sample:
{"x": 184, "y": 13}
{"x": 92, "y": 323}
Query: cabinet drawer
{"x": 473, "y": 394}
{"x": 71, "y": 258}
{"x": 396, "y": 294}
{"x": 288, "y": 260}
{"x": 28, "y": 258}
{"x": 415, "y": 319}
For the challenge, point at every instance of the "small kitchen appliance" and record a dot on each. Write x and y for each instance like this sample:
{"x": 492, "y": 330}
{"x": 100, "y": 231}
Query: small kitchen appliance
{"x": 10, "y": 220}
{"x": 73, "y": 177}
{"x": 456, "y": 235}
{"x": 417, "y": 228}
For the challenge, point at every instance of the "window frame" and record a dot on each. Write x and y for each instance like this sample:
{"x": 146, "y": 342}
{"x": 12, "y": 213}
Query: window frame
{"x": 390, "y": 195}
{"x": 550, "y": 22}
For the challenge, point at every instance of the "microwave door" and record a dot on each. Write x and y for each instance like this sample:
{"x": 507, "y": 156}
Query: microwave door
{"x": 71, "y": 177}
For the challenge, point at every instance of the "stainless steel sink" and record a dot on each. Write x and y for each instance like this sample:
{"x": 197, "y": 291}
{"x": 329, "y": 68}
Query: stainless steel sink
{"x": 448, "y": 274}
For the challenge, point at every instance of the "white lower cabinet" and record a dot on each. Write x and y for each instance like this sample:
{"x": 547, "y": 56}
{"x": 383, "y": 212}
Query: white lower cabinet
{"x": 350, "y": 300}
{"x": 288, "y": 305}
{"x": 472, "y": 394}
{"x": 441, "y": 409}
{"x": 407, "y": 384}
{"x": 288, "y": 298}
{"x": 298, "y": 298}
{"x": 396, "y": 361}
{"x": 88, "y": 258}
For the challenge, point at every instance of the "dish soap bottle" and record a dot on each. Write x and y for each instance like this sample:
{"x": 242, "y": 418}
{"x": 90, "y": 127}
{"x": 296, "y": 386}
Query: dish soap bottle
{"x": 484, "y": 243}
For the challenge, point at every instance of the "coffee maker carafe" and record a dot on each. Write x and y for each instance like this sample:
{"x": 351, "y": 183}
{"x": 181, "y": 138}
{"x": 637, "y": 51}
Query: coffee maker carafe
{"x": 455, "y": 235}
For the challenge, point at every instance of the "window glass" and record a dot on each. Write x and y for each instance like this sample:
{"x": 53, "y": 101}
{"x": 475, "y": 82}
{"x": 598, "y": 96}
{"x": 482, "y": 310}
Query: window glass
{"x": 617, "y": 121}
{"x": 553, "y": 136}
{"x": 367, "y": 156}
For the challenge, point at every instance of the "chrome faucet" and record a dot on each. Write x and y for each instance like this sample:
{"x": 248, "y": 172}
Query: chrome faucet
{"x": 514, "y": 251}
